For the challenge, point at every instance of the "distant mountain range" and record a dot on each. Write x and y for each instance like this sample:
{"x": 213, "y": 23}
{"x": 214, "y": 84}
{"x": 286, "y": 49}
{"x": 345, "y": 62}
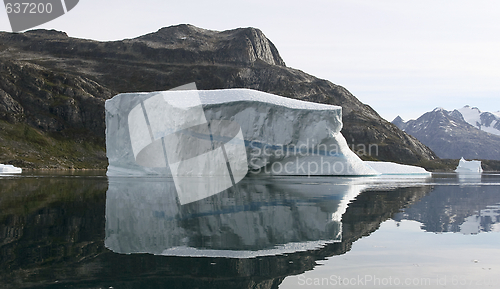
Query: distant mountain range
{"x": 465, "y": 132}
{"x": 53, "y": 88}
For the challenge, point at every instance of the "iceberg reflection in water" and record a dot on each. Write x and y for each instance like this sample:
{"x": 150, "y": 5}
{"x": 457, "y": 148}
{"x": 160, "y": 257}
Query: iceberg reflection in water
{"x": 259, "y": 216}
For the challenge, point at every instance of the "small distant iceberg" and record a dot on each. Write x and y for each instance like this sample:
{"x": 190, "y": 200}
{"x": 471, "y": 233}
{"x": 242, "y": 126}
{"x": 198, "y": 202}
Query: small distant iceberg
{"x": 388, "y": 168}
{"x": 469, "y": 166}
{"x": 10, "y": 169}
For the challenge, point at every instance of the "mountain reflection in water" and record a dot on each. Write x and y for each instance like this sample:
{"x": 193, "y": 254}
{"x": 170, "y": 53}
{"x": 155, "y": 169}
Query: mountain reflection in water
{"x": 470, "y": 206}
{"x": 91, "y": 232}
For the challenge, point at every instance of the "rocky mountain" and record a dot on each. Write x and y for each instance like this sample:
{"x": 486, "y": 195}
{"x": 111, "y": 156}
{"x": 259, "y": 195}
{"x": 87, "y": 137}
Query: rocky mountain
{"x": 450, "y": 136}
{"x": 50, "y": 119}
{"x": 56, "y": 76}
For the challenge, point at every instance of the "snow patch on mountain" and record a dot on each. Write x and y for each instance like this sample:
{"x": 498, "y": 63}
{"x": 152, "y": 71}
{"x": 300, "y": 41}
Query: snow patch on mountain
{"x": 485, "y": 121}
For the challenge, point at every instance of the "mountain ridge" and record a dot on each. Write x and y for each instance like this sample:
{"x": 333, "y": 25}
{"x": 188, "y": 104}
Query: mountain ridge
{"x": 451, "y": 136}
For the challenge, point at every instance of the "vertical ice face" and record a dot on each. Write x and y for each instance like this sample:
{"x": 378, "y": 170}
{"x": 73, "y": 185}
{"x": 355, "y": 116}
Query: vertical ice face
{"x": 160, "y": 116}
{"x": 168, "y": 130}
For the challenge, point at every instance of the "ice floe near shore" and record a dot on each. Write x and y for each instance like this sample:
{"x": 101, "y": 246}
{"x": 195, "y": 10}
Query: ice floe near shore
{"x": 10, "y": 169}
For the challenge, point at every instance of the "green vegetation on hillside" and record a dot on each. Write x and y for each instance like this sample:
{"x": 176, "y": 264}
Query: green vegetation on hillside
{"x": 24, "y": 146}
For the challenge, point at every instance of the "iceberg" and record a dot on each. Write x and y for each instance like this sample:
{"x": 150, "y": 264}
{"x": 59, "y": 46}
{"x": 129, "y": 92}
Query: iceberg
{"x": 10, "y": 169}
{"x": 469, "y": 166}
{"x": 225, "y": 134}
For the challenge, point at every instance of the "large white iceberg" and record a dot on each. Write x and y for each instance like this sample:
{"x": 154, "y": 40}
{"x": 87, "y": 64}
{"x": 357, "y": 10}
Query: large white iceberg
{"x": 10, "y": 169}
{"x": 469, "y": 166}
{"x": 225, "y": 133}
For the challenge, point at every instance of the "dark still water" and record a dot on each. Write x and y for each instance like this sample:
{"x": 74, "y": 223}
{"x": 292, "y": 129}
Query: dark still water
{"x": 90, "y": 231}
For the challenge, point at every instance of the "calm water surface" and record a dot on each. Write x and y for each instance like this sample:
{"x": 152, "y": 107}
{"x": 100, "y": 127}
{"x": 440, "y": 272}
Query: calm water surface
{"x": 89, "y": 231}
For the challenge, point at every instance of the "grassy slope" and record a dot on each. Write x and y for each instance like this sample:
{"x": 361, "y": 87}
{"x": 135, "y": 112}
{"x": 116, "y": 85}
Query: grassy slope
{"x": 26, "y": 147}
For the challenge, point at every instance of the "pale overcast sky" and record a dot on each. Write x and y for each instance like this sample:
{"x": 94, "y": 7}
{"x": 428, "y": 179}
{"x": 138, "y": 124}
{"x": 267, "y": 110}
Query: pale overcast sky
{"x": 400, "y": 57}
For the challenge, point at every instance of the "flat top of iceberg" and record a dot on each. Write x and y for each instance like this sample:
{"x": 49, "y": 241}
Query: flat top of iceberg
{"x": 233, "y": 95}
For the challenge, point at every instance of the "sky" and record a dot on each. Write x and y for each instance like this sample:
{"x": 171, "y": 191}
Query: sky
{"x": 401, "y": 57}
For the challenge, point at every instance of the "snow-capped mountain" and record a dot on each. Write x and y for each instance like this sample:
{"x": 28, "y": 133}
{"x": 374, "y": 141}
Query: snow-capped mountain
{"x": 485, "y": 121}
{"x": 467, "y": 133}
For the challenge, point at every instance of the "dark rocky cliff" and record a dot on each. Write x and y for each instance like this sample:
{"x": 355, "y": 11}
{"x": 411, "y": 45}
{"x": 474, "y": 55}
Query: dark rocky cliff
{"x": 50, "y": 119}
{"x": 50, "y": 101}
{"x": 173, "y": 56}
